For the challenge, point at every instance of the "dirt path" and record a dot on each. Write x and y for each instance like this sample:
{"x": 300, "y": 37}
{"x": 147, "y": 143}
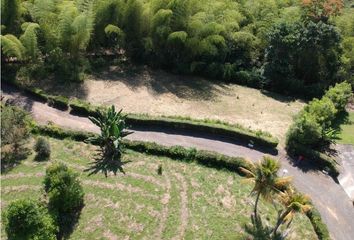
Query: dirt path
{"x": 164, "y": 213}
{"x": 329, "y": 198}
{"x": 184, "y": 206}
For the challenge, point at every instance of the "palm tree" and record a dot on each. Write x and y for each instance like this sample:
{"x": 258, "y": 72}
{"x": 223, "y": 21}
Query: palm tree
{"x": 264, "y": 175}
{"x": 112, "y": 125}
{"x": 294, "y": 202}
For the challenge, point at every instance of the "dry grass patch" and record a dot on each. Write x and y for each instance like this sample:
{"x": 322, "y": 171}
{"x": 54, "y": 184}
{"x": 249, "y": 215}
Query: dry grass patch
{"x": 156, "y": 92}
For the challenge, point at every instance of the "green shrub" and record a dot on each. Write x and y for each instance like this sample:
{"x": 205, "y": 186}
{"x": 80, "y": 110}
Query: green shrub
{"x": 37, "y": 93}
{"x": 14, "y": 133}
{"x": 42, "y": 149}
{"x": 340, "y": 95}
{"x": 322, "y": 110}
{"x": 312, "y": 127}
{"x": 28, "y": 219}
{"x": 65, "y": 196}
{"x": 60, "y": 102}
{"x": 55, "y": 131}
{"x": 304, "y": 131}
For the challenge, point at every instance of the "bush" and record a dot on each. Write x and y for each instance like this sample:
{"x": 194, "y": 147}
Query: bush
{"x": 323, "y": 111}
{"x": 65, "y": 196}
{"x": 14, "y": 133}
{"x": 340, "y": 95}
{"x": 42, "y": 149}
{"x": 312, "y": 128}
{"x": 304, "y": 131}
{"x": 28, "y": 219}
{"x": 312, "y": 124}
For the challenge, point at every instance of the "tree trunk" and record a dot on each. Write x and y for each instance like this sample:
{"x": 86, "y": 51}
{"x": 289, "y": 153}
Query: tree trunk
{"x": 256, "y": 205}
{"x": 280, "y": 221}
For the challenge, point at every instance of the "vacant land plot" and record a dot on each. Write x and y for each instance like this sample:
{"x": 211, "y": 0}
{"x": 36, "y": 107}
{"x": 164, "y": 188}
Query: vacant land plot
{"x": 187, "y": 201}
{"x": 346, "y": 135}
{"x": 141, "y": 90}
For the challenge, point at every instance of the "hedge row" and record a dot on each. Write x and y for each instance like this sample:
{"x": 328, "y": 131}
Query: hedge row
{"x": 235, "y": 131}
{"x": 207, "y": 158}
{"x": 318, "y": 225}
{"x": 203, "y": 157}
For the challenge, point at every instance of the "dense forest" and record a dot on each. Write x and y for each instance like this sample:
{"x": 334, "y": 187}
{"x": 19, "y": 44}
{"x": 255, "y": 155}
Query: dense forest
{"x": 288, "y": 46}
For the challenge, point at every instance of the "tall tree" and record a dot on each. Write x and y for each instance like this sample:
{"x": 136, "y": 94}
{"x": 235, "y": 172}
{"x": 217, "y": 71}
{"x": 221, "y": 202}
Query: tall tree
{"x": 11, "y": 15}
{"x": 294, "y": 203}
{"x": 265, "y": 178}
{"x": 133, "y": 28}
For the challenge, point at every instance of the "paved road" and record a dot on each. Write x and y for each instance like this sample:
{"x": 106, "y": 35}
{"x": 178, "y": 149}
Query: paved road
{"x": 329, "y": 198}
{"x": 346, "y": 179}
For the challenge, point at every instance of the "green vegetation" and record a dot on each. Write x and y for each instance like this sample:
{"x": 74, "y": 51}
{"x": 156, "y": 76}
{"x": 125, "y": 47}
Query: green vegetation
{"x": 203, "y": 157}
{"x": 142, "y": 202}
{"x": 230, "y": 40}
{"x": 112, "y": 126}
{"x": 206, "y": 158}
{"x": 269, "y": 186}
{"x": 313, "y": 128}
{"x": 14, "y": 133}
{"x": 29, "y": 219}
{"x": 42, "y": 148}
{"x": 65, "y": 197}
{"x": 77, "y": 106}
{"x": 266, "y": 180}
{"x": 346, "y": 135}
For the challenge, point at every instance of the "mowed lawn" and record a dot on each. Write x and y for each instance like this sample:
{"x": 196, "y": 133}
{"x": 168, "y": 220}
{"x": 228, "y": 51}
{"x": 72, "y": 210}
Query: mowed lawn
{"x": 188, "y": 201}
{"x": 156, "y": 92}
{"x": 346, "y": 135}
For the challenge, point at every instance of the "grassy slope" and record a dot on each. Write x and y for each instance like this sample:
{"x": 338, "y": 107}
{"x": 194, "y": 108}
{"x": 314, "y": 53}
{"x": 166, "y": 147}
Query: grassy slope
{"x": 347, "y": 131}
{"x": 202, "y": 203}
{"x": 154, "y": 92}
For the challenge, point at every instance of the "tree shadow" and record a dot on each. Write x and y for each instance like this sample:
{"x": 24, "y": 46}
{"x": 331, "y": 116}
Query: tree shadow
{"x": 160, "y": 82}
{"x": 341, "y": 118}
{"x": 279, "y": 97}
{"x": 10, "y": 158}
{"x": 257, "y": 230}
{"x": 68, "y": 222}
{"x": 105, "y": 166}
{"x": 63, "y": 88}
{"x": 312, "y": 164}
{"x": 17, "y": 98}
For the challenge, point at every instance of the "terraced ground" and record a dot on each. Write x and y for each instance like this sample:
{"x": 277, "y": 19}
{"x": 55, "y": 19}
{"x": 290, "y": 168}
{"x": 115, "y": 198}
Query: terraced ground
{"x": 187, "y": 201}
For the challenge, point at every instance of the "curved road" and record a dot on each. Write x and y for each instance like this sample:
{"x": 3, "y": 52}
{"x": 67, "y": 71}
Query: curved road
{"x": 329, "y": 198}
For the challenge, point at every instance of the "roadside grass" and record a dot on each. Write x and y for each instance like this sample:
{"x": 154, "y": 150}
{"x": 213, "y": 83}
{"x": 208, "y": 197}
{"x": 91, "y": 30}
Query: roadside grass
{"x": 188, "y": 200}
{"x": 346, "y": 135}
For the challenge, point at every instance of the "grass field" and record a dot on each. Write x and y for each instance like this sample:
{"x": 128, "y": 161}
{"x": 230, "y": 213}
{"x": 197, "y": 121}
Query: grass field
{"x": 346, "y": 135}
{"x": 187, "y": 201}
{"x": 155, "y": 92}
